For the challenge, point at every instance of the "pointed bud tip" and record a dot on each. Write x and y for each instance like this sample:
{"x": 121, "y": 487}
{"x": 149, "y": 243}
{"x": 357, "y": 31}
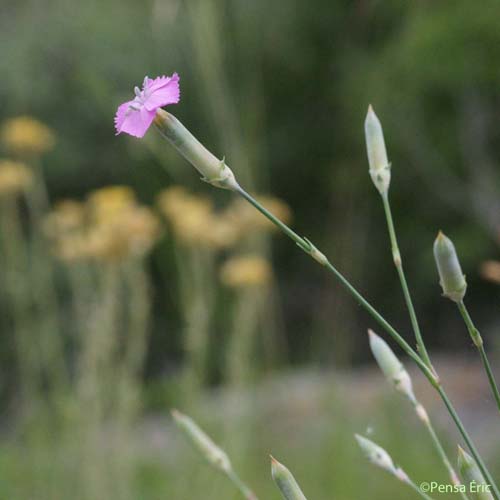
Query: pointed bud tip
{"x": 277, "y": 468}
{"x": 443, "y": 241}
{"x": 464, "y": 459}
{"x": 370, "y": 114}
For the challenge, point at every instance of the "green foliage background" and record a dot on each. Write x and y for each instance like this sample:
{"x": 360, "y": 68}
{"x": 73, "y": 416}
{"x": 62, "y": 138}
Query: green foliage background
{"x": 281, "y": 89}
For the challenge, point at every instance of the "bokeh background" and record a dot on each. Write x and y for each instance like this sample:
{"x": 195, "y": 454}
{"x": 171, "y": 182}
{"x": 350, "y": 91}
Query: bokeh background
{"x": 130, "y": 287}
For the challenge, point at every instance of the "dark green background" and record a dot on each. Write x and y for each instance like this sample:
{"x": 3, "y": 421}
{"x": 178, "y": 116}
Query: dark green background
{"x": 281, "y": 88}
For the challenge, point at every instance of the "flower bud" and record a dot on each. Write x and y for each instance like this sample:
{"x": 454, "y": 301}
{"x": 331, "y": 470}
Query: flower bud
{"x": 290, "y": 490}
{"x": 390, "y": 365}
{"x": 451, "y": 278}
{"x": 380, "y": 168}
{"x": 214, "y": 171}
{"x": 215, "y": 456}
{"x": 375, "y": 454}
{"x": 471, "y": 474}
{"x": 379, "y": 457}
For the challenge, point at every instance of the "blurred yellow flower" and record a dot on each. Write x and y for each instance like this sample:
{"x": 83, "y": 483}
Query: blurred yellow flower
{"x": 245, "y": 271}
{"x": 111, "y": 226}
{"x": 107, "y": 203}
{"x": 195, "y": 222}
{"x": 193, "y": 219}
{"x": 223, "y": 233}
{"x": 140, "y": 228}
{"x": 72, "y": 247}
{"x": 27, "y": 135}
{"x": 66, "y": 216}
{"x": 170, "y": 200}
{"x": 15, "y": 177}
{"x": 132, "y": 233}
{"x": 490, "y": 270}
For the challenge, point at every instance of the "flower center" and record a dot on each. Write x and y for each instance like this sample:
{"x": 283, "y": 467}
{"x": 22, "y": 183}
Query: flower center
{"x": 140, "y": 96}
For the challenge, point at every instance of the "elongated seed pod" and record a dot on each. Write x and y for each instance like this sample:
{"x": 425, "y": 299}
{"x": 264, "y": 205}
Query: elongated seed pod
{"x": 290, "y": 490}
{"x": 214, "y": 171}
{"x": 451, "y": 278}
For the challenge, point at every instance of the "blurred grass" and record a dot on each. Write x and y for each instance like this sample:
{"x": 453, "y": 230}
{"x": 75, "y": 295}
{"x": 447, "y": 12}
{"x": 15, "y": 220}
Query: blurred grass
{"x": 307, "y": 418}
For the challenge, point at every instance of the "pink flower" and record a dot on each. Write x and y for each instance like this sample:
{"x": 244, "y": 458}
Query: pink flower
{"x": 135, "y": 117}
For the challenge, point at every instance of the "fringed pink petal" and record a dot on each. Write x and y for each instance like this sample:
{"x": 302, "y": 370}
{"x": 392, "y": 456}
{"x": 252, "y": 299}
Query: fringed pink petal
{"x": 120, "y": 115}
{"x": 156, "y": 83}
{"x": 135, "y": 117}
{"x": 163, "y": 91}
{"x": 132, "y": 121}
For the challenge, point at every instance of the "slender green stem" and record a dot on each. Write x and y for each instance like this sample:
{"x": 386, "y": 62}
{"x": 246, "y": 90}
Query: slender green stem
{"x": 398, "y": 262}
{"x": 486, "y": 474}
{"x": 439, "y": 448}
{"x": 309, "y": 248}
{"x": 385, "y": 325}
{"x": 478, "y": 341}
{"x": 301, "y": 242}
{"x": 220, "y": 175}
{"x": 396, "y": 255}
{"x": 241, "y": 486}
{"x": 489, "y": 372}
{"x": 410, "y": 483}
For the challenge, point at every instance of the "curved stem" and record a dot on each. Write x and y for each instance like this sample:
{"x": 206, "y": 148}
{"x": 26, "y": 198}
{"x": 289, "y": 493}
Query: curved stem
{"x": 489, "y": 373}
{"x": 218, "y": 174}
{"x": 478, "y": 341}
{"x": 486, "y": 474}
{"x": 439, "y": 448}
{"x": 241, "y": 486}
{"x": 309, "y": 248}
{"x": 396, "y": 255}
{"x": 398, "y": 263}
{"x": 410, "y": 483}
{"x": 385, "y": 325}
{"x": 289, "y": 232}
